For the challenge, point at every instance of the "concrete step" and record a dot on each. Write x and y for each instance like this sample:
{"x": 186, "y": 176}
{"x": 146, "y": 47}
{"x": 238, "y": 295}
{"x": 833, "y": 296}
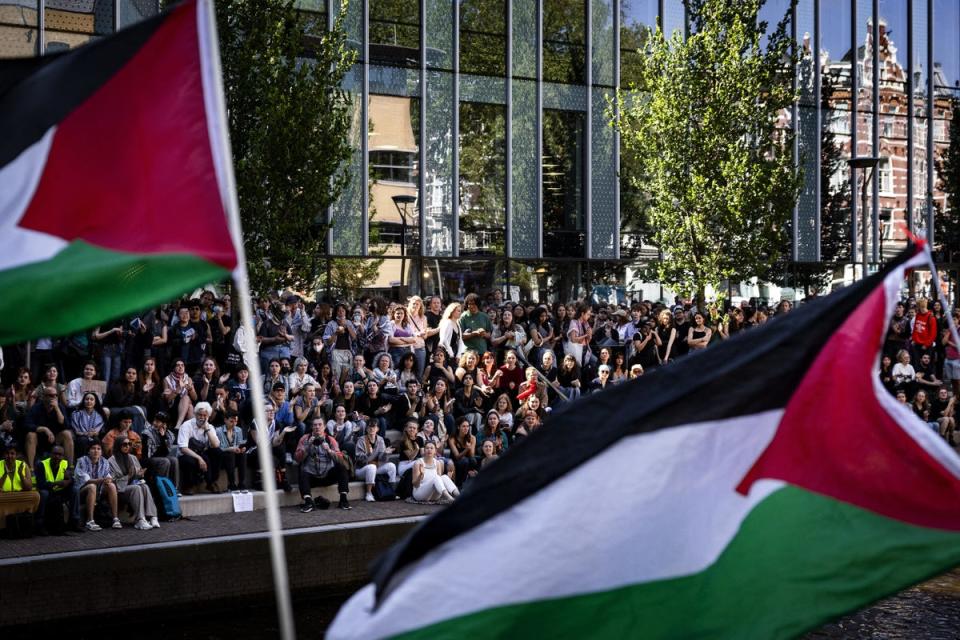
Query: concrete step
{"x": 208, "y": 504}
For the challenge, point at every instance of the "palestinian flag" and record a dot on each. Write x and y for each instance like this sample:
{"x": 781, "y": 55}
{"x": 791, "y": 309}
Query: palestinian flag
{"x": 752, "y": 490}
{"x": 113, "y": 176}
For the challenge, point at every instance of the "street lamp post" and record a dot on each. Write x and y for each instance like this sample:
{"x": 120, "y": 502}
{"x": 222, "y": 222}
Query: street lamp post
{"x": 863, "y": 163}
{"x": 401, "y": 202}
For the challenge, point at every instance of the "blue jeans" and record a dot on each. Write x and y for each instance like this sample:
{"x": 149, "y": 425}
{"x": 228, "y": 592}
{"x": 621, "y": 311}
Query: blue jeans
{"x": 110, "y": 363}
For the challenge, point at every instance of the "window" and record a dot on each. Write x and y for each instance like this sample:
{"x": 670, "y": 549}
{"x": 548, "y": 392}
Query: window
{"x": 393, "y": 166}
{"x": 483, "y": 37}
{"x": 637, "y": 18}
{"x": 483, "y": 166}
{"x": 563, "y": 169}
{"x": 395, "y": 32}
{"x": 885, "y": 176}
{"x": 564, "y": 41}
{"x": 839, "y": 119}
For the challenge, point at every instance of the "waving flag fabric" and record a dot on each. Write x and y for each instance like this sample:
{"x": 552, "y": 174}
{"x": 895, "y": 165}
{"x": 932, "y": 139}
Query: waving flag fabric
{"x": 752, "y": 490}
{"x": 112, "y": 182}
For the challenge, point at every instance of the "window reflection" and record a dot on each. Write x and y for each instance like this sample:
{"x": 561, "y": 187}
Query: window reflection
{"x": 564, "y": 41}
{"x": 394, "y": 149}
{"x": 637, "y": 18}
{"x": 18, "y": 29}
{"x": 395, "y": 32}
{"x": 71, "y": 23}
{"x": 483, "y": 37}
{"x": 482, "y": 178}
{"x": 563, "y": 168}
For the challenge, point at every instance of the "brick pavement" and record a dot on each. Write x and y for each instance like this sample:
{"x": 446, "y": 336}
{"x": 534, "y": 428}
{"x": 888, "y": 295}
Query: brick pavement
{"x": 207, "y": 527}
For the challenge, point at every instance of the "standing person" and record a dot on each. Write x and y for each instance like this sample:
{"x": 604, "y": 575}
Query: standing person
{"x": 275, "y": 336}
{"x": 951, "y": 362}
{"x": 898, "y": 332}
{"x": 296, "y": 319}
{"x": 321, "y": 464}
{"x": 429, "y": 481}
{"x": 401, "y": 337}
{"x": 421, "y": 329}
{"x": 579, "y": 333}
{"x": 667, "y": 335}
{"x": 682, "y": 324}
{"x": 376, "y": 329}
{"x": 698, "y": 336}
{"x": 476, "y": 325}
{"x": 95, "y": 480}
{"x": 434, "y": 315}
{"x": 924, "y": 334}
{"x": 111, "y": 341}
{"x": 199, "y": 451}
{"x": 340, "y": 337}
{"x": 372, "y": 460}
{"x": 128, "y": 477}
{"x": 451, "y": 332}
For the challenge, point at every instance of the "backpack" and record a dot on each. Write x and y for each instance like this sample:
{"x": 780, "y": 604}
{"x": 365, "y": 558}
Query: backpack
{"x": 383, "y": 491}
{"x": 165, "y": 495}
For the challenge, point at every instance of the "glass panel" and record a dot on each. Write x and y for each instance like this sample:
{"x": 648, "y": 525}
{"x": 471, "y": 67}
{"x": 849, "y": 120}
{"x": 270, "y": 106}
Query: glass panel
{"x": 133, "y": 11}
{"x": 439, "y": 186}
{"x": 394, "y": 81}
{"x": 835, "y": 135}
{"x": 353, "y": 25}
{"x": 548, "y": 282}
{"x": 563, "y": 169}
{"x": 395, "y": 32}
{"x": 70, "y": 23}
{"x": 524, "y": 40}
{"x": 919, "y": 46}
{"x": 455, "y": 279}
{"x": 523, "y": 207}
{"x": 602, "y": 38}
{"x": 946, "y": 47}
{"x": 603, "y": 210}
{"x": 673, "y": 17}
{"x": 636, "y": 17}
{"x": 483, "y": 37}
{"x": 564, "y": 41}
{"x": 394, "y": 211}
{"x": 18, "y": 29}
{"x": 807, "y": 133}
{"x": 345, "y": 214}
{"x": 572, "y": 97}
{"x": 483, "y": 89}
{"x": 892, "y": 127}
{"x": 440, "y": 34}
{"x": 483, "y": 161}
{"x": 772, "y": 12}
{"x": 942, "y": 121}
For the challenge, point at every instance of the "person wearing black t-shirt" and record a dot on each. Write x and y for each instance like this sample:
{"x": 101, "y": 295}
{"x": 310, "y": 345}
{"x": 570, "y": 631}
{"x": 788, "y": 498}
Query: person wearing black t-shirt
{"x": 942, "y": 410}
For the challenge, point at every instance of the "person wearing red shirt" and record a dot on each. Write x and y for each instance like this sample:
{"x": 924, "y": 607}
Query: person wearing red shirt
{"x": 924, "y": 332}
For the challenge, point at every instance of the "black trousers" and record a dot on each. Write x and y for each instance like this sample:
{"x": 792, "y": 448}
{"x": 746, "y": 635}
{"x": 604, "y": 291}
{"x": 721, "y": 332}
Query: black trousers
{"x": 190, "y": 474}
{"x": 235, "y": 464}
{"x": 337, "y": 474}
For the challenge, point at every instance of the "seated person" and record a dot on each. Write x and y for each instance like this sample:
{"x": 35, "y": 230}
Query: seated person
{"x": 161, "y": 449}
{"x": 926, "y": 377}
{"x": 87, "y": 422}
{"x": 321, "y": 464}
{"x": 131, "y": 488}
{"x": 16, "y": 485}
{"x": 283, "y": 410}
{"x": 344, "y": 431}
{"x": 371, "y": 459}
{"x": 46, "y": 424}
{"x": 233, "y": 451}
{"x": 124, "y": 429}
{"x": 57, "y": 489}
{"x": 95, "y": 482}
{"x": 429, "y": 481}
{"x": 277, "y": 436}
{"x": 199, "y": 451}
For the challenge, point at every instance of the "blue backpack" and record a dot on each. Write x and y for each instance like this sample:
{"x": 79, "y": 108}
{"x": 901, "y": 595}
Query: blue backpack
{"x": 168, "y": 504}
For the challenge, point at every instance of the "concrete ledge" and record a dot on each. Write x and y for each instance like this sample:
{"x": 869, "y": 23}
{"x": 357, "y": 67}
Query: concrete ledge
{"x": 207, "y": 504}
{"x": 189, "y": 571}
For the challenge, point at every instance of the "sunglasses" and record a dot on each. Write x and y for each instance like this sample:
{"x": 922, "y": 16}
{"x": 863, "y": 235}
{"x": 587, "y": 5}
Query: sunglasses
{"x": 124, "y": 444}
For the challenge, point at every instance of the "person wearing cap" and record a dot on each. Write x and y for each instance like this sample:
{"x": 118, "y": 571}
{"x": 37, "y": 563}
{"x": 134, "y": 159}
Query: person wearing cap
{"x": 161, "y": 449}
{"x": 199, "y": 451}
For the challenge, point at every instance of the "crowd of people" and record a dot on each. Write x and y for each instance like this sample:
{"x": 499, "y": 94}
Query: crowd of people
{"x": 415, "y": 397}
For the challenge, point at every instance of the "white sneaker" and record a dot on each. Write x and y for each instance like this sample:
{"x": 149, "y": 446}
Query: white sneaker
{"x": 93, "y": 526}
{"x": 154, "y": 523}
{"x": 116, "y": 524}
{"x": 142, "y": 525}
{"x": 370, "y": 497}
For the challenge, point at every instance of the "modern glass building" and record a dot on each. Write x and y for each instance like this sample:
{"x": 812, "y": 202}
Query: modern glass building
{"x": 484, "y": 156}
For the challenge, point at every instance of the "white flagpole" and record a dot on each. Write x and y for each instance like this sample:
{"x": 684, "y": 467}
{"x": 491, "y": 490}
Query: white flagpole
{"x": 277, "y": 555}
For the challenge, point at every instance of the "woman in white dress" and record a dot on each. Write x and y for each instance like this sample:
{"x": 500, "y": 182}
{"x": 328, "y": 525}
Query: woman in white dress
{"x": 428, "y": 484}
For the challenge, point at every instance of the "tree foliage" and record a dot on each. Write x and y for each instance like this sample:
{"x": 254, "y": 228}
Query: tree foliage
{"x": 702, "y": 120}
{"x": 289, "y": 121}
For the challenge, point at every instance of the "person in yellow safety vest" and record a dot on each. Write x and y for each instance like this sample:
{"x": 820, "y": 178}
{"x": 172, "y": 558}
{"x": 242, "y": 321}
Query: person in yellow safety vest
{"x": 57, "y": 488}
{"x": 16, "y": 485}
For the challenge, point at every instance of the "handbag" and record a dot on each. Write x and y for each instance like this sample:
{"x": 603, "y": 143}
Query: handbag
{"x": 383, "y": 491}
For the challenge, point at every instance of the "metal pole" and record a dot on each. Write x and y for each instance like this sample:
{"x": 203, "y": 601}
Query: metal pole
{"x": 875, "y": 208}
{"x": 817, "y": 89}
{"x": 910, "y": 115}
{"x": 854, "y": 122}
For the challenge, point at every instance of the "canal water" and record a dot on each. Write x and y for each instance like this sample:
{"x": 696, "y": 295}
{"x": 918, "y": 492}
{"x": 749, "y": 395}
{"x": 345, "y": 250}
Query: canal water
{"x": 930, "y": 611}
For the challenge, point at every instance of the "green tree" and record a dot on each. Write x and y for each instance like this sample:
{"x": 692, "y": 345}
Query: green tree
{"x": 702, "y": 120}
{"x": 289, "y": 121}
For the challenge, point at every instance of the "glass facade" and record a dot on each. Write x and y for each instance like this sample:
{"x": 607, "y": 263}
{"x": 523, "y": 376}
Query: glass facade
{"x": 483, "y": 156}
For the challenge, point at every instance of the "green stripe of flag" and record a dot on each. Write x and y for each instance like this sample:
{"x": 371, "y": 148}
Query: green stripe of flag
{"x": 83, "y": 286}
{"x": 831, "y": 557}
